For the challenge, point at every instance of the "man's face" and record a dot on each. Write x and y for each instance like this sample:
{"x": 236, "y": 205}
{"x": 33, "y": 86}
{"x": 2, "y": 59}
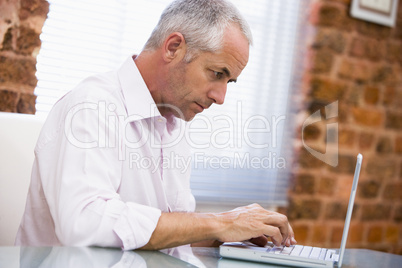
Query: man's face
{"x": 195, "y": 86}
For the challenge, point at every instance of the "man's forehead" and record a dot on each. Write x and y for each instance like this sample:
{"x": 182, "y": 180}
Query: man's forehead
{"x": 236, "y": 45}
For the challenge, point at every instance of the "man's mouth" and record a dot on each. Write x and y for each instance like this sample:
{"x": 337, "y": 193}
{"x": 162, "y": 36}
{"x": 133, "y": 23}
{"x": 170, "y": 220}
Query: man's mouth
{"x": 201, "y": 108}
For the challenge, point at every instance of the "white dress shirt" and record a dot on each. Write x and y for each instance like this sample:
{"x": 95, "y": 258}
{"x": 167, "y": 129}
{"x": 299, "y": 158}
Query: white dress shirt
{"x": 106, "y": 165}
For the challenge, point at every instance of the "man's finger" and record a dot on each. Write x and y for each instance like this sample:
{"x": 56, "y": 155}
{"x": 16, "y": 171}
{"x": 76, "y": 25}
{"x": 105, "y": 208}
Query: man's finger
{"x": 275, "y": 234}
{"x": 280, "y": 221}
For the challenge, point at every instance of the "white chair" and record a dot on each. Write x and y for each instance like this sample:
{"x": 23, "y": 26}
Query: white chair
{"x": 18, "y": 136}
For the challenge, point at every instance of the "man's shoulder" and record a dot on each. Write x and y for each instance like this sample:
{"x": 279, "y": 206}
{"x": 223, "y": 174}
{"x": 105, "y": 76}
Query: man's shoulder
{"x": 97, "y": 87}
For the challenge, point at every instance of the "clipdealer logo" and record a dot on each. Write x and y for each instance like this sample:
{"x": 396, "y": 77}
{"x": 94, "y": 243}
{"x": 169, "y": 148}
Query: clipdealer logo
{"x": 250, "y": 142}
{"x": 331, "y": 154}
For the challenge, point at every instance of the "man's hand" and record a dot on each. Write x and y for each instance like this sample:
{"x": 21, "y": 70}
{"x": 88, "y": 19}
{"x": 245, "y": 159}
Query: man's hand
{"x": 251, "y": 222}
{"x": 255, "y": 224}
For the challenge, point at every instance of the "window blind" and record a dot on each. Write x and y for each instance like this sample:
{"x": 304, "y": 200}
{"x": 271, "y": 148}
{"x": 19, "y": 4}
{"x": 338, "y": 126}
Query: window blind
{"x": 247, "y": 165}
{"x": 236, "y": 146}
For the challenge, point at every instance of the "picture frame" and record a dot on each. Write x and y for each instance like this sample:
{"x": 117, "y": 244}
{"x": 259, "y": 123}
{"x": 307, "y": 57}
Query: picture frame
{"x": 382, "y": 12}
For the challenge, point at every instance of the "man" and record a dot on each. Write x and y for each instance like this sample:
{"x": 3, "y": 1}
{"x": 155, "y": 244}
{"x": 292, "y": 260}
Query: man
{"x": 85, "y": 189}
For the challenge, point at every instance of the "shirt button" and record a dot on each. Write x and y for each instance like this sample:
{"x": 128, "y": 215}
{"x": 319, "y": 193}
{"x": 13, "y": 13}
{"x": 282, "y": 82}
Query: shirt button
{"x": 160, "y": 120}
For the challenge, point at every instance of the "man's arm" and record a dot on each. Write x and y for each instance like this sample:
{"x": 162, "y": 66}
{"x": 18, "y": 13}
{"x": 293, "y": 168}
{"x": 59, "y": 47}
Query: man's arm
{"x": 243, "y": 223}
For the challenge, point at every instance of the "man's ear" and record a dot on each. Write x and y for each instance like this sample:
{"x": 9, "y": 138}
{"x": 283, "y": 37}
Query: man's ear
{"x": 174, "y": 47}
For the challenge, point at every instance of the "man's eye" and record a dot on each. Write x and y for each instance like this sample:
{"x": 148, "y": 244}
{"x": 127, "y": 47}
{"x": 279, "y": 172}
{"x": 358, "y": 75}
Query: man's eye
{"x": 218, "y": 74}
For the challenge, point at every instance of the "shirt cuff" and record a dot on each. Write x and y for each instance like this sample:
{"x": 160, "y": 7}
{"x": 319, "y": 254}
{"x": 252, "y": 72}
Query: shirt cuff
{"x": 136, "y": 225}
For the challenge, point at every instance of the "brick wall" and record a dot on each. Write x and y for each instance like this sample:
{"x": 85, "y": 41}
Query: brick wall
{"x": 21, "y": 23}
{"x": 358, "y": 64}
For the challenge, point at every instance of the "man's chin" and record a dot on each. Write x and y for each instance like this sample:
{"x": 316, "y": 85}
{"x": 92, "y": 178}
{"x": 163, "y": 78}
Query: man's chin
{"x": 183, "y": 114}
{"x": 189, "y": 119}
{"x": 186, "y": 117}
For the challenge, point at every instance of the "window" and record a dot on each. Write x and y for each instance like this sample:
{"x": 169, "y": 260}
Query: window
{"x": 237, "y": 146}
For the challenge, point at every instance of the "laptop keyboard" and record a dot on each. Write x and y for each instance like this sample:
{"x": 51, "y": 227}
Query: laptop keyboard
{"x": 306, "y": 252}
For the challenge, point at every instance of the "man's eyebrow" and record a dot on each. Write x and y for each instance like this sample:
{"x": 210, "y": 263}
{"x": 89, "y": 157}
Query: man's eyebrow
{"x": 227, "y": 72}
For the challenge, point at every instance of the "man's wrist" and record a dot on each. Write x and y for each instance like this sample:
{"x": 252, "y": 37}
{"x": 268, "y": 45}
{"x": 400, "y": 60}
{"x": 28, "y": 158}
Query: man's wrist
{"x": 217, "y": 226}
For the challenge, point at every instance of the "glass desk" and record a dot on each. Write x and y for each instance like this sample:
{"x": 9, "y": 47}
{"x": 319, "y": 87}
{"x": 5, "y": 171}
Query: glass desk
{"x": 178, "y": 257}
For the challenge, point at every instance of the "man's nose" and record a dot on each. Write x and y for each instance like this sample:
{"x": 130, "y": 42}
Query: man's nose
{"x": 218, "y": 94}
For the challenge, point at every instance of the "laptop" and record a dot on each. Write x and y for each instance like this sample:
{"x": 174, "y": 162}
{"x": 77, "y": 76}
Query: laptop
{"x": 296, "y": 255}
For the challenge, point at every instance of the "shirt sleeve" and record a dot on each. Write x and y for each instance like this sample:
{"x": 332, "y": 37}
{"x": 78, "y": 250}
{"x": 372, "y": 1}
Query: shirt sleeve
{"x": 81, "y": 173}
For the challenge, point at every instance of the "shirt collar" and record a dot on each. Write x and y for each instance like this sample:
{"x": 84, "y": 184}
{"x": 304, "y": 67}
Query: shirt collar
{"x": 138, "y": 100}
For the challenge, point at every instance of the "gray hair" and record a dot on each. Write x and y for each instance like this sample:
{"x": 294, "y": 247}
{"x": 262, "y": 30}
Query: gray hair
{"x": 201, "y": 22}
